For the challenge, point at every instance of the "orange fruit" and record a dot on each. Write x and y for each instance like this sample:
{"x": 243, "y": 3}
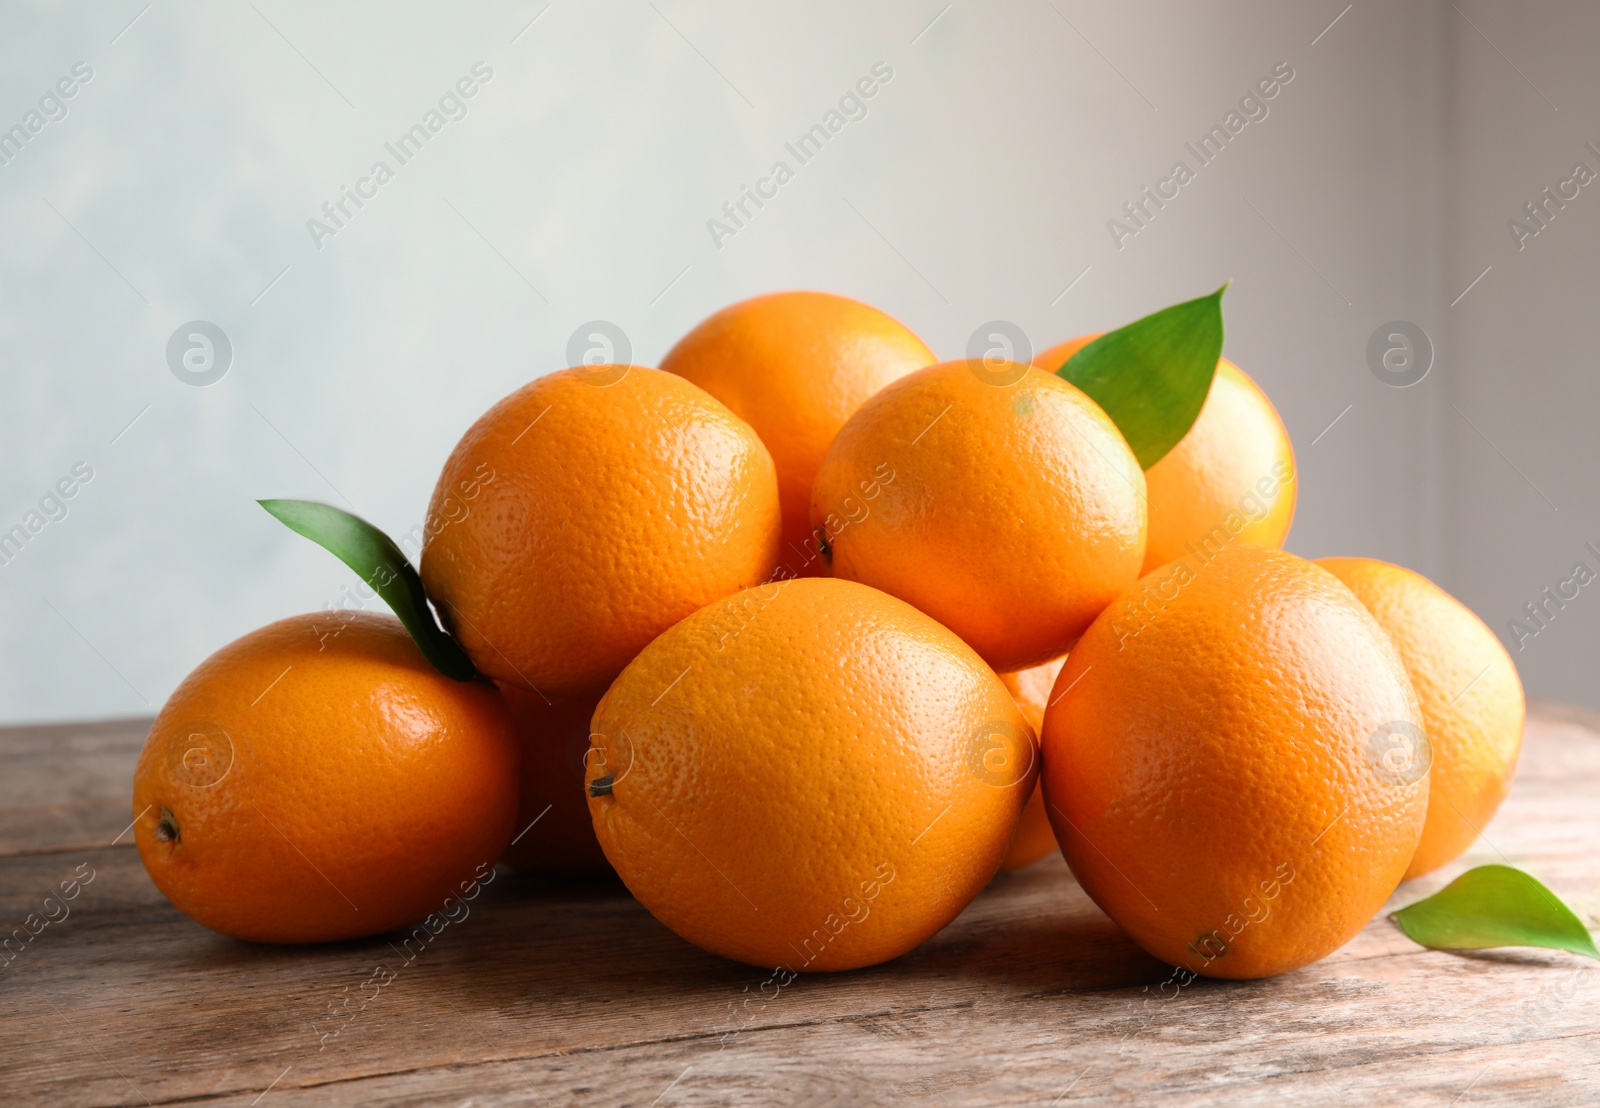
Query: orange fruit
{"x": 795, "y": 366}
{"x": 1055, "y": 357}
{"x": 554, "y": 833}
{"x": 1471, "y": 698}
{"x": 1231, "y": 477}
{"x": 997, "y": 498}
{"x": 317, "y": 779}
{"x": 1226, "y": 774}
{"x": 585, "y": 514}
{"x": 1035, "y": 837}
{"x": 810, "y": 775}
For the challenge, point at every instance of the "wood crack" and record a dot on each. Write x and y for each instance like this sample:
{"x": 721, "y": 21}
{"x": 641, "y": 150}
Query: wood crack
{"x": 608, "y": 1048}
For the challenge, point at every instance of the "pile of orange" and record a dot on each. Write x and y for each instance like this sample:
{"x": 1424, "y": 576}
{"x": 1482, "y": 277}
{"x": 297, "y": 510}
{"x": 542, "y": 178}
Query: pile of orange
{"x": 806, "y": 636}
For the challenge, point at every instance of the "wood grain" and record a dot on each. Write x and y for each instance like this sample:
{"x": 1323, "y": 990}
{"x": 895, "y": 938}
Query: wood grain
{"x": 66, "y": 788}
{"x": 569, "y": 992}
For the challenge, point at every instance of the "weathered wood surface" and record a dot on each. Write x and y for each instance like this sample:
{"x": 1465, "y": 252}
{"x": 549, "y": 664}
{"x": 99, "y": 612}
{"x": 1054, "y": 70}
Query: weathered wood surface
{"x": 571, "y": 993}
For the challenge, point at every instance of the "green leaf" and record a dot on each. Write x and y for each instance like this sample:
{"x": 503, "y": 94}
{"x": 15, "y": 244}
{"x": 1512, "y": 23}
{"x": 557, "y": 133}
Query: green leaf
{"x": 384, "y": 567}
{"x": 1494, "y": 906}
{"x": 1152, "y": 376}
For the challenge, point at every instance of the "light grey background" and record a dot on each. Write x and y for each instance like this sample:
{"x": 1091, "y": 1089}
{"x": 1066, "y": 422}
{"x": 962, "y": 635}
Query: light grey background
{"x": 579, "y": 185}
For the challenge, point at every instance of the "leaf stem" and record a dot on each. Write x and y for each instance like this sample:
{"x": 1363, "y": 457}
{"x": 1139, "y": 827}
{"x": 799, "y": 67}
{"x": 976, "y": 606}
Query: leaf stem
{"x": 385, "y": 568}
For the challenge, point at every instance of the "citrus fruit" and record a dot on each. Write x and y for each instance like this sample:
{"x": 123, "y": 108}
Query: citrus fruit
{"x": 1035, "y": 837}
{"x": 997, "y": 498}
{"x": 1224, "y": 763}
{"x": 810, "y": 774}
{"x": 1471, "y": 698}
{"x": 585, "y": 514}
{"x": 554, "y": 833}
{"x": 317, "y": 779}
{"x": 795, "y": 366}
{"x": 1230, "y": 477}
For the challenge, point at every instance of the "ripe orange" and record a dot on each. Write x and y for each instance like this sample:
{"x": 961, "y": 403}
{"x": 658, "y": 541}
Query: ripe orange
{"x": 810, "y": 775}
{"x": 585, "y": 514}
{"x": 1035, "y": 837}
{"x": 1231, "y": 477}
{"x": 317, "y": 779}
{"x": 1471, "y": 698}
{"x": 995, "y": 497}
{"x": 1227, "y": 774}
{"x": 795, "y": 366}
{"x": 554, "y": 833}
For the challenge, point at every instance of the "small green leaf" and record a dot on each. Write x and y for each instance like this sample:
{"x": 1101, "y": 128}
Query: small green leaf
{"x": 384, "y": 567}
{"x": 1152, "y": 376}
{"x": 1494, "y": 906}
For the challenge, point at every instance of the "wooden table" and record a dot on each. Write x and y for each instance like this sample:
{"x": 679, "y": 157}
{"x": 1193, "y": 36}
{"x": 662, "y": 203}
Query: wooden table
{"x": 569, "y": 992}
